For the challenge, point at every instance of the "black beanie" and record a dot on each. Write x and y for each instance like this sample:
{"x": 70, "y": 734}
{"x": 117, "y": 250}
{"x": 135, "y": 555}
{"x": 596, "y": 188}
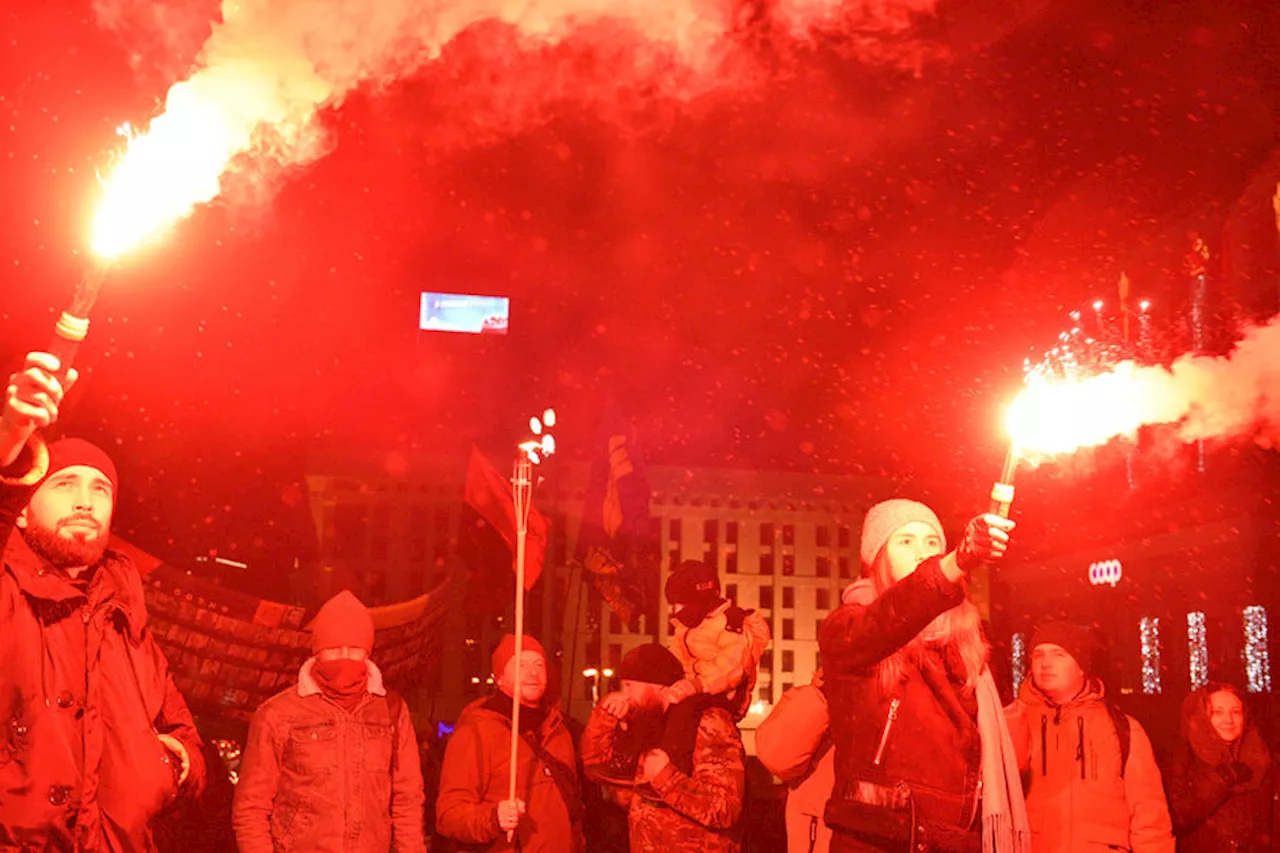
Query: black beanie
{"x": 652, "y": 664}
{"x": 1075, "y": 640}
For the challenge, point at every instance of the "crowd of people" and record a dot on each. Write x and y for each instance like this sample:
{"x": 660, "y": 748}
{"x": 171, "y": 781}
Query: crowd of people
{"x": 900, "y": 743}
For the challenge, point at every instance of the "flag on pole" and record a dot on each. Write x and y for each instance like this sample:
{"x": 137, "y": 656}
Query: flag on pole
{"x": 489, "y": 494}
{"x": 616, "y": 545}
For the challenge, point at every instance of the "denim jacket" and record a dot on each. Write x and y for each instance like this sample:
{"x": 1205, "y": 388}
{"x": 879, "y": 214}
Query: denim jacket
{"x": 318, "y": 778}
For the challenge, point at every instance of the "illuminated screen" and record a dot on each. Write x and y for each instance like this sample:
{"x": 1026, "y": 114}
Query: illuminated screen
{"x": 462, "y": 312}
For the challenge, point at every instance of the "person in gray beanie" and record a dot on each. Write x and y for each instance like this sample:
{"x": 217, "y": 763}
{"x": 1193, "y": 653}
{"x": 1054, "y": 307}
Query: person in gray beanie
{"x": 923, "y": 755}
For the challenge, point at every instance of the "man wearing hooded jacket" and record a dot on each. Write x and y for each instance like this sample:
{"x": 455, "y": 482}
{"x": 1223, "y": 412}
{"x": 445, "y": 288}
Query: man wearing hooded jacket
{"x": 332, "y": 763}
{"x": 94, "y": 737}
{"x": 1083, "y": 795}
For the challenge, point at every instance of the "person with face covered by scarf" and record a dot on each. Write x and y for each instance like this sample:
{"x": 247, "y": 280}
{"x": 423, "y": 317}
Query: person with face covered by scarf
{"x": 1221, "y": 779}
{"x": 95, "y": 738}
{"x": 332, "y": 762}
{"x": 923, "y": 756}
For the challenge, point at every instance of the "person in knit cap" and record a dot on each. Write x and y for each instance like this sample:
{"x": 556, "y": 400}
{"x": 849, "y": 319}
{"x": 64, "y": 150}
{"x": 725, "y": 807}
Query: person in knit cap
{"x": 1222, "y": 779}
{"x": 680, "y": 811}
{"x": 1094, "y": 781}
{"x": 923, "y": 754}
{"x": 331, "y": 763}
{"x": 95, "y": 738}
{"x": 474, "y": 806}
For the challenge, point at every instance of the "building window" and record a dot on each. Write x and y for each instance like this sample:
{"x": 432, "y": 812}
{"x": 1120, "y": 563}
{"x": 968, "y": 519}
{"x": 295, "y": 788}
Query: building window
{"x": 731, "y": 532}
{"x": 1149, "y": 629}
{"x": 788, "y": 629}
{"x": 822, "y": 567}
{"x": 788, "y": 534}
{"x": 766, "y": 564}
{"x": 1197, "y": 650}
{"x": 766, "y": 660}
{"x": 822, "y": 536}
{"x": 788, "y": 597}
{"x": 763, "y": 693}
{"x": 731, "y": 563}
{"x": 786, "y": 685}
{"x": 766, "y": 535}
{"x": 731, "y": 592}
{"x": 1019, "y": 660}
{"x": 842, "y": 535}
{"x": 844, "y": 568}
{"x": 1257, "y": 659}
{"x": 822, "y": 599}
{"x": 709, "y": 532}
{"x": 788, "y": 565}
{"x": 673, "y": 530}
{"x": 615, "y": 624}
{"x": 766, "y": 598}
{"x": 788, "y": 660}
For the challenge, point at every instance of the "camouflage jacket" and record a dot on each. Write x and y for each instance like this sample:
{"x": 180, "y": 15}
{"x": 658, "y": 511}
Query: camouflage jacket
{"x": 697, "y": 813}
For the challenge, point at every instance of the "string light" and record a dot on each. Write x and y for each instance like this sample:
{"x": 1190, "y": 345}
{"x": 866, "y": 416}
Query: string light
{"x": 1150, "y": 632}
{"x": 1198, "y": 650}
{"x": 1019, "y": 661}
{"x": 1257, "y": 659}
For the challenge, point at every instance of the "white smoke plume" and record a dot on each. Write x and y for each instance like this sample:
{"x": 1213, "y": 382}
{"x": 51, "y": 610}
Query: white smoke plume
{"x": 269, "y": 67}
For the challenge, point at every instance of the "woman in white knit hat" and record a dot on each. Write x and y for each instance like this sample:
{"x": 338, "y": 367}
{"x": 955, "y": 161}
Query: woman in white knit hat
{"x": 923, "y": 757}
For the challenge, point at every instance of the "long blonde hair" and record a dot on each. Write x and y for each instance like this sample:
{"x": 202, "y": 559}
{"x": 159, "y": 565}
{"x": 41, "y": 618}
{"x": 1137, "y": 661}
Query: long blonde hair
{"x": 960, "y": 626}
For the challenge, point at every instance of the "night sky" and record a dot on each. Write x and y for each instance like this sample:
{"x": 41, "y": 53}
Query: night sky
{"x": 836, "y": 262}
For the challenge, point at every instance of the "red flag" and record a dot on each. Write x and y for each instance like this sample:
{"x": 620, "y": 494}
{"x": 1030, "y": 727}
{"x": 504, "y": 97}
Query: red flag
{"x": 489, "y": 493}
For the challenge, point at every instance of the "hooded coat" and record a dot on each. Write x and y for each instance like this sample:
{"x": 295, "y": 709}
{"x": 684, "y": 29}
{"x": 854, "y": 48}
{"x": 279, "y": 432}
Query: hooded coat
{"x": 1221, "y": 795}
{"x": 1079, "y": 801}
{"x": 84, "y": 692}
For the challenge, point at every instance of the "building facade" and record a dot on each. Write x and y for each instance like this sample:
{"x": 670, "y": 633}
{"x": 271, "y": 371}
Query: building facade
{"x": 785, "y": 545}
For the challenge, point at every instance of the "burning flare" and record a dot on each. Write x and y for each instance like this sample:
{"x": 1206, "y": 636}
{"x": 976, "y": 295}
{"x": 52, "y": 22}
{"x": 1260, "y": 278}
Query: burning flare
{"x": 1207, "y": 396}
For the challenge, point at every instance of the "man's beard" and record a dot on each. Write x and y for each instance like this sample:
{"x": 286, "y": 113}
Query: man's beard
{"x": 66, "y": 552}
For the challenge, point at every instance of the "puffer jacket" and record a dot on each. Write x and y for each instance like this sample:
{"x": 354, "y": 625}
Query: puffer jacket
{"x": 696, "y": 812}
{"x": 1078, "y": 801}
{"x": 721, "y": 656}
{"x": 475, "y": 778}
{"x": 316, "y": 778}
{"x": 793, "y": 743}
{"x": 84, "y": 692}
{"x": 925, "y": 785}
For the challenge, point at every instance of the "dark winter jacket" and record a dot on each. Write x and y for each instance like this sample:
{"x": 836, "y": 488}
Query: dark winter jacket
{"x": 317, "y": 778}
{"x": 1078, "y": 799}
{"x": 80, "y": 760}
{"x": 1221, "y": 796}
{"x": 476, "y": 777}
{"x": 695, "y": 813}
{"x": 929, "y": 761}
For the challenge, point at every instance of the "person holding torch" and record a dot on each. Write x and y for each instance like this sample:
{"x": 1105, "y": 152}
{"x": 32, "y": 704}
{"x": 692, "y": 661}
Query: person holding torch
{"x": 923, "y": 755}
{"x": 95, "y": 738}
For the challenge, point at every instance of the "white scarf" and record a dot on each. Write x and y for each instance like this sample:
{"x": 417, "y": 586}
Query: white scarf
{"x": 1005, "y": 828}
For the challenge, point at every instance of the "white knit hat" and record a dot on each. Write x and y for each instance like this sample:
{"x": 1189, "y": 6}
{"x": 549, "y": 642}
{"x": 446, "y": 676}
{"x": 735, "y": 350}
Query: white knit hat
{"x": 888, "y": 516}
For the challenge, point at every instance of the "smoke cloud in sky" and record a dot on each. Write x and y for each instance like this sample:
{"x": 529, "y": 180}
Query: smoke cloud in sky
{"x": 269, "y": 66}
